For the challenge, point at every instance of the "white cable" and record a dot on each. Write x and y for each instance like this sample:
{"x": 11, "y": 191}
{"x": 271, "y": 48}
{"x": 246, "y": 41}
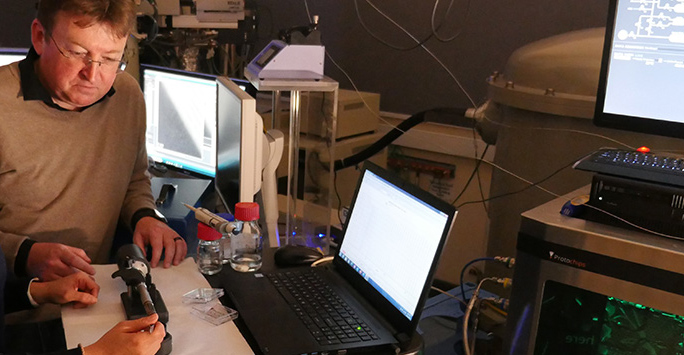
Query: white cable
{"x": 308, "y": 13}
{"x": 453, "y": 77}
{"x": 460, "y": 30}
{"x": 323, "y": 260}
{"x": 558, "y": 130}
{"x": 446, "y": 13}
{"x": 353, "y": 84}
{"x": 634, "y": 225}
{"x": 466, "y": 316}
{"x": 448, "y": 294}
{"x": 520, "y": 178}
{"x": 466, "y": 319}
{"x": 475, "y": 322}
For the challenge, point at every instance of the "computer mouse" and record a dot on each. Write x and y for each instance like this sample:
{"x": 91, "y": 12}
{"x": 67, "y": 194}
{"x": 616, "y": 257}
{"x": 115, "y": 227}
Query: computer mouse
{"x": 296, "y": 255}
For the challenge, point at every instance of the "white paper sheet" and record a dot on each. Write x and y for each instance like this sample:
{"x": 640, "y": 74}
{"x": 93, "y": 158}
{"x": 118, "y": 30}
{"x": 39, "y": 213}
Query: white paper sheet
{"x": 191, "y": 335}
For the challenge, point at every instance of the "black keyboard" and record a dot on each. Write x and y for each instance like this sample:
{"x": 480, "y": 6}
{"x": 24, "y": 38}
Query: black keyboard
{"x": 658, "y": 168}
{"x": 329, "y": 319}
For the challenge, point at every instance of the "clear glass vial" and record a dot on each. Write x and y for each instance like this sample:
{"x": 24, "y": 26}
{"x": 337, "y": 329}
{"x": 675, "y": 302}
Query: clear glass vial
{"x": 208, "y": 250}
{"x": 246, "y": 243}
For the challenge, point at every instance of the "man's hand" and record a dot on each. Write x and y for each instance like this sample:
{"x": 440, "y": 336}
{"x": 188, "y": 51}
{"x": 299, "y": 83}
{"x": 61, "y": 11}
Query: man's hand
{"x": 79, "y": 288}
{"x": 51, "y": 261}
{"x": 130, "y": 337}
{"x": 160, "y": 236}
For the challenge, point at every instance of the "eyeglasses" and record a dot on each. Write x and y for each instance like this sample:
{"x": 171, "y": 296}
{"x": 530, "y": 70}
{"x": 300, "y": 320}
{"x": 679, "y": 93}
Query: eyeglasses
{"x": 107, "y": 65}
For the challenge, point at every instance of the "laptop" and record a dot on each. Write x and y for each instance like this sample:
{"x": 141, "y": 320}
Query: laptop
{"x": 382, "y": 271}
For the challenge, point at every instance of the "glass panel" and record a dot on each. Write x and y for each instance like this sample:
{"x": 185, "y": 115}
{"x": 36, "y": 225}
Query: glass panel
{"x": 576, "y": 321}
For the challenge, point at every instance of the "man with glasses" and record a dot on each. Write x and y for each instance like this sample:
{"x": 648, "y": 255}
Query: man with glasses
{"x": 72, "y": 145}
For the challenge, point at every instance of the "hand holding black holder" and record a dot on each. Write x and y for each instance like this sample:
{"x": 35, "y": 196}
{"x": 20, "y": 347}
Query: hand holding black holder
{"x": 142, "y": 298}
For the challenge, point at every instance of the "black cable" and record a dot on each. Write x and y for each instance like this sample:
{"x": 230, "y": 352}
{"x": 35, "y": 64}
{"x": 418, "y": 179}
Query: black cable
{"x": 308, "y": 155}
{"x": 477, "y": 168}
{"x": 382, "y": 142}
{"x": 212, "y": 66}
{"x": 164, "y": 60}
{"x": 479, "y": 185}
{"x": 270, "y": 31}
{"x": 339, "y": 199}
{"x": 395, "y": 133}
{"x": 470, "y": 179}
{"x": 463, "y": 270}
{"x": 484, "y": 203}
{"x": 520, "y": 190}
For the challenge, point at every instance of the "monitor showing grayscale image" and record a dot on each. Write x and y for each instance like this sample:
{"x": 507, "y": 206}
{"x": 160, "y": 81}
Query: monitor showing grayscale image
{"x": 181, "y": 119}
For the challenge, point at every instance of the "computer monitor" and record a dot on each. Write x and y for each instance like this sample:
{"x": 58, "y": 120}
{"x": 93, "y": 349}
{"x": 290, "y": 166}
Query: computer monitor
{"x": 181, "y": 119}
{"x": 11, "y": 55}
{"x": 239, "y": 134}
{"x": 642, "y": 69}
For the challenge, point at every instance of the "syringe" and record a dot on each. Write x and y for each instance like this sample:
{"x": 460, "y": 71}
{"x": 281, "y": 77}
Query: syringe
{"x": 207, "y": 217}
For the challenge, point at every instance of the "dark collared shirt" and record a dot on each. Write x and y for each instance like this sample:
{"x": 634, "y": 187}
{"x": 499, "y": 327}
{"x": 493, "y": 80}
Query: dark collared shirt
{"x": 33, "y": 89}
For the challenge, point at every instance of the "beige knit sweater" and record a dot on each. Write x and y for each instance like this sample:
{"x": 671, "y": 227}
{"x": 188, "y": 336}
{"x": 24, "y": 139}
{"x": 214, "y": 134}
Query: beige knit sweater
{"x": 68, "y": 176}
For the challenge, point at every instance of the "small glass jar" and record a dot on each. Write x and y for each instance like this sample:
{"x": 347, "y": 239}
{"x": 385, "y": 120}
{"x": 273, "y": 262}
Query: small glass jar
{"x": 246, "y": 243}
{"x": 208, "y": 250}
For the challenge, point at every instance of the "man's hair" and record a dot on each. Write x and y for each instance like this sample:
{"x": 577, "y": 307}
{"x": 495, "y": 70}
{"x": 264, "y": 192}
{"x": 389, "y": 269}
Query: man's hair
{"x": 118, "y": 14}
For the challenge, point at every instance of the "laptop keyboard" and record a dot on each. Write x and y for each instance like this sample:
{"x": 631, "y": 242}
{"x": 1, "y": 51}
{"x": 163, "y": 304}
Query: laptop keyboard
{"x": 329, "y": 319}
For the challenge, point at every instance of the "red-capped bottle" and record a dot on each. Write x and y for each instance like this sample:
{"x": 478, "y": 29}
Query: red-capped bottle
{"x": 246, "y": 244}
{"x": 208, "y": 250}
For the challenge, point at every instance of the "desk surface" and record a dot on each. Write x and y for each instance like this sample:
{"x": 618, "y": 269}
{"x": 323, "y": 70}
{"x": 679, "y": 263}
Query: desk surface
{"x": 87, "y": 325}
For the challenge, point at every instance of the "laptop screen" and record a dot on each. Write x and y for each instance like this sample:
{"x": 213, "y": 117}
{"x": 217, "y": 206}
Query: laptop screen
{"x": 392, "y": 240}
